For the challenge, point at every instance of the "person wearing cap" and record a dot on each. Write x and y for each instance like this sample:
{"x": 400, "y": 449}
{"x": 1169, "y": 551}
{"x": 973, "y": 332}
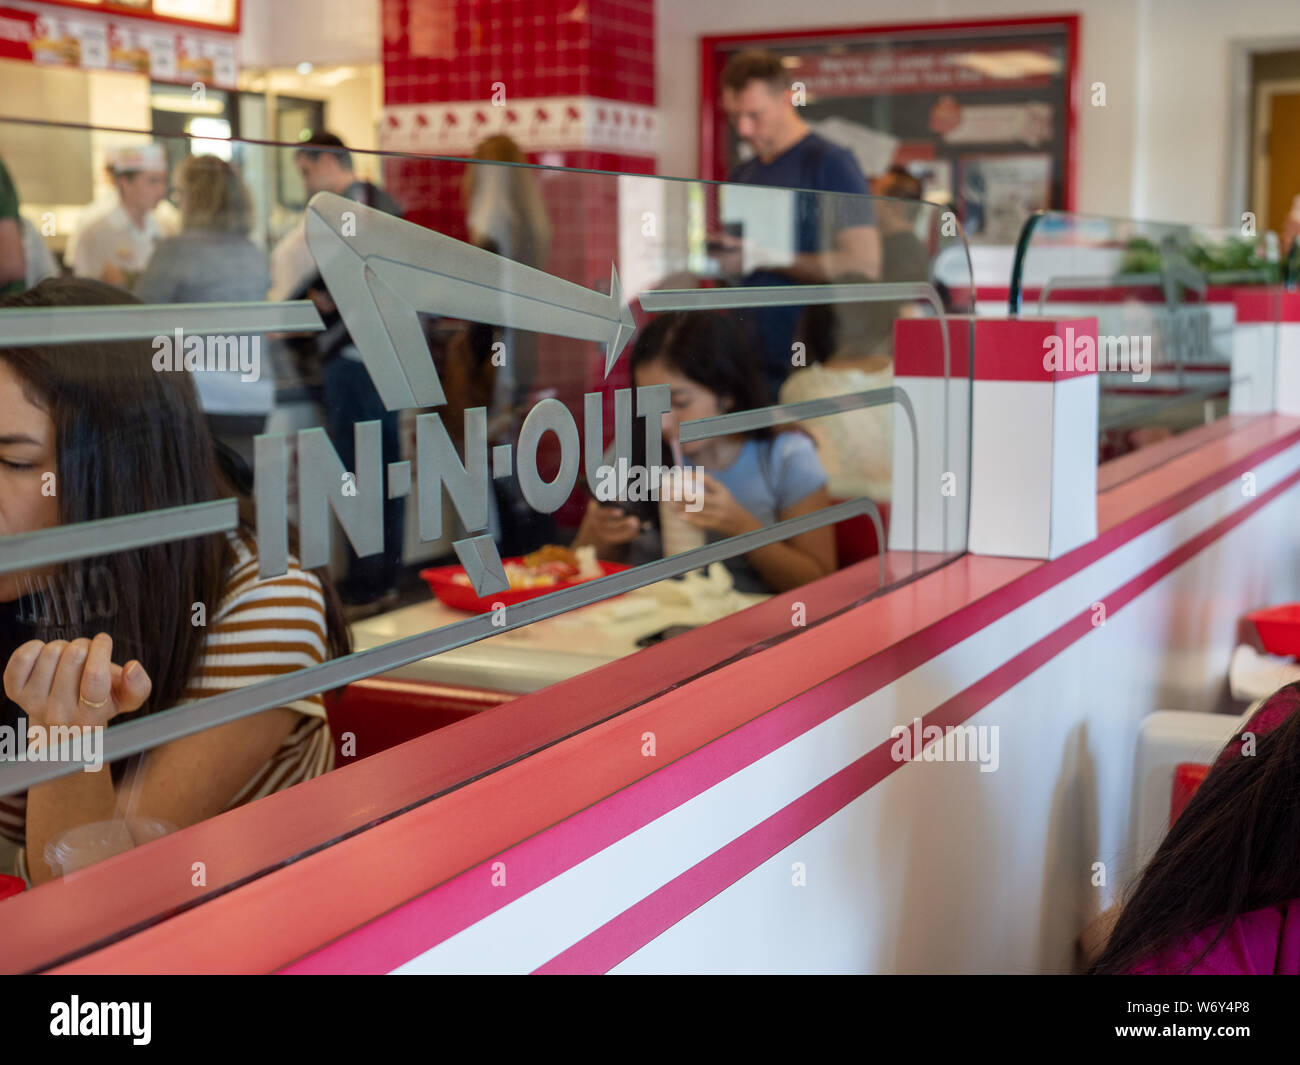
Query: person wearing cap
{"x": 116, "y": 246}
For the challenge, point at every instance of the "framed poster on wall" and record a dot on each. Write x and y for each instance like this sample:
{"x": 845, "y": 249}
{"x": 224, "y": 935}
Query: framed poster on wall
{"x": 996, "y": 193}
{"x": 982, "y": 112}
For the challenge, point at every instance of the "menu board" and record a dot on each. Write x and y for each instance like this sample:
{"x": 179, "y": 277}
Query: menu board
{"x": 996, "y": 193}
{"x": 218, "y": 14}
{"x": 128, "y": 49}
{"x": 161, "y": 52}
{"x": 212, "y": 12}
{"x": 980, "y": 112}
{"x": 70, "y": 41}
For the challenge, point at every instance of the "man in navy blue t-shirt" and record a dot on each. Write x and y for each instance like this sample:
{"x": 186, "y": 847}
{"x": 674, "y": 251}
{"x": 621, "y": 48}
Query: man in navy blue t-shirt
{"x": 834, "y": 236}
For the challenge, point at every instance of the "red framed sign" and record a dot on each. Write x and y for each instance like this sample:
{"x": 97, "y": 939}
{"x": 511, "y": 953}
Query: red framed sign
{"x": 984, "y": 112}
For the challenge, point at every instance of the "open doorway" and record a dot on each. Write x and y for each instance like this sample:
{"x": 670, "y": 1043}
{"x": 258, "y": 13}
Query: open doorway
{"x": 1273, "y": 177}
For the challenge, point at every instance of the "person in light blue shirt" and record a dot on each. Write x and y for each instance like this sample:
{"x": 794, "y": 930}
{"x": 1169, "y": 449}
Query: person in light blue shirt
{"x": 750, "y": 480}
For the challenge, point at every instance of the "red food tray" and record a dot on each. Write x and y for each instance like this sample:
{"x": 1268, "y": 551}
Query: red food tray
{"x": 1278, "y": 628}
{"x": 441, "y": 580}
{"x": 1187, "y": 778}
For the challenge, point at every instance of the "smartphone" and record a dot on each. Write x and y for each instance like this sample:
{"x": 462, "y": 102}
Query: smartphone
{"x": 732, "y": 229}
{"x": 642, "y": 510}
{"x": 663, "y": 634}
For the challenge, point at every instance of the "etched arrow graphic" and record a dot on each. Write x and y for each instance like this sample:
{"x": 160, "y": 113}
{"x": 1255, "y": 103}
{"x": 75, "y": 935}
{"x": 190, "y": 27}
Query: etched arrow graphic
{"x": 1177, "y": 268}
{"x": 382, "y": 272}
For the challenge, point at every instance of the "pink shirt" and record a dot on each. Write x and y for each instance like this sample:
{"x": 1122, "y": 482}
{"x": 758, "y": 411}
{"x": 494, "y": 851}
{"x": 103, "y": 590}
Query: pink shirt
{"x": 1260, "y": 943}
{"x": 1263, "y": 942}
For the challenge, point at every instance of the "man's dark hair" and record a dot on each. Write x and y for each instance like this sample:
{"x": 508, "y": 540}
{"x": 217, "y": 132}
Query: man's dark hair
{"x": 755, "y": 65}
{"x": 322, "y": 141}
{"x": 713, "y": 349}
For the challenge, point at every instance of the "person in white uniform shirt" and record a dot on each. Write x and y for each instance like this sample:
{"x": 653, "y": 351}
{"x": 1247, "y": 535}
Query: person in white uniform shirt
{"x": 115, "y": 246}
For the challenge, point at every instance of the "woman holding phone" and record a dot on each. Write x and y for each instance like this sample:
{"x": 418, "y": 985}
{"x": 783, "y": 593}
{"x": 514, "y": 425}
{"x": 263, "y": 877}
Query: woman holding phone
{"x": 749, "y": 479}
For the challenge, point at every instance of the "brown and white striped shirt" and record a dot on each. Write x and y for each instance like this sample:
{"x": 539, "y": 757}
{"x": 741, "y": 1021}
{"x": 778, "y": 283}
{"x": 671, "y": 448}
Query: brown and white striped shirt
{"x": 261, "y": 629}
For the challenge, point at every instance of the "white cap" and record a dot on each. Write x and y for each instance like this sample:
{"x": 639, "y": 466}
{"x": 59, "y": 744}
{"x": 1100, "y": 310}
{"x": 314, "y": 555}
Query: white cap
{"x": 137, "y": 157}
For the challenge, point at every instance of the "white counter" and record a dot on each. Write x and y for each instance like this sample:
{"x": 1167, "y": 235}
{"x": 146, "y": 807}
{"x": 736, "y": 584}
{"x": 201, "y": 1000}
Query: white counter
{"x": 526, "y": 659}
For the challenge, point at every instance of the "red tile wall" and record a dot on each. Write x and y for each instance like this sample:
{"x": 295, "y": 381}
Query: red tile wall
{"x": 583, "y": 214}
{"x": 438, "y": 51}
{"x": 443, "y": 50}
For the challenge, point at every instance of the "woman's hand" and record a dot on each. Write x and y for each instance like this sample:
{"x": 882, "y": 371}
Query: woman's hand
{"x": 720, "y": 512}
{"x": 606, "y": 527}
{"x": 77, "y": 683}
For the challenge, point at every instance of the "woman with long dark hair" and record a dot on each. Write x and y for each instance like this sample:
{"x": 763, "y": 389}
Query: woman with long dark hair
{"x": 91, "y": 431}
{"x": 1222, "y": 894}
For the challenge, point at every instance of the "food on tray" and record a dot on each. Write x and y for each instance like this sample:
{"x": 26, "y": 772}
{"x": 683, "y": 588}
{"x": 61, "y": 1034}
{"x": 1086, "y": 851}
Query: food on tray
{"x": 588, "y": 567}
{"x": 548, "y": 567}
{"x": 551, "y": 553}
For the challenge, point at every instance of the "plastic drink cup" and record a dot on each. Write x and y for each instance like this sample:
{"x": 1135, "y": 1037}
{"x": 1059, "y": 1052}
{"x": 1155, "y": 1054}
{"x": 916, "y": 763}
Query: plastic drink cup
{"x": 676, "y": 533}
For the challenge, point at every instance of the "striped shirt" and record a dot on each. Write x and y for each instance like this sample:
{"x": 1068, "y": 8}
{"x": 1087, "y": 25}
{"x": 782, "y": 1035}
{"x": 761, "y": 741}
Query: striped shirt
{"x": 261, "y": 629}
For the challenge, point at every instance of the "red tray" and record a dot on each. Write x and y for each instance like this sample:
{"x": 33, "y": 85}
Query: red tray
{"x": 441, "y": 580}
{"x": 1278, "y": 628}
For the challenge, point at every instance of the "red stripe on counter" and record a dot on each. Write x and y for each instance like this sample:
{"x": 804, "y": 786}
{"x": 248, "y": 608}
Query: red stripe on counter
{"x": 1254, "y": 305}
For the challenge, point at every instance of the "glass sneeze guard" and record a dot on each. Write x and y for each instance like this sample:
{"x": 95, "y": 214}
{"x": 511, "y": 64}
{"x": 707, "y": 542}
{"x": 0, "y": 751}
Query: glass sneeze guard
{"x": 576, "y": 404}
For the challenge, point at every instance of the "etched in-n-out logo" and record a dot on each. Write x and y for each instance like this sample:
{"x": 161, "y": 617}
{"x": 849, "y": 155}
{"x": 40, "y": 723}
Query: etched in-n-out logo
{"x": 382, "y": 273}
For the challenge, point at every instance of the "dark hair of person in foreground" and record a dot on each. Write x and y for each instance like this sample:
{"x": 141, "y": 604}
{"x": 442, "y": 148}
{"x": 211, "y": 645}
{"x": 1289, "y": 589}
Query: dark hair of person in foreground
{"x": 1235, "y": 849}
{"x": 131, "y": 440}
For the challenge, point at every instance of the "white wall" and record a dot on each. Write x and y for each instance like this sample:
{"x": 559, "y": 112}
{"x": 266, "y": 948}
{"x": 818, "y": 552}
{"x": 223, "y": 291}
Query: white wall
{"x": 284, "y": 33}
{"x": 1157, "y": 150}
{"x": 1187, "y": 100}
